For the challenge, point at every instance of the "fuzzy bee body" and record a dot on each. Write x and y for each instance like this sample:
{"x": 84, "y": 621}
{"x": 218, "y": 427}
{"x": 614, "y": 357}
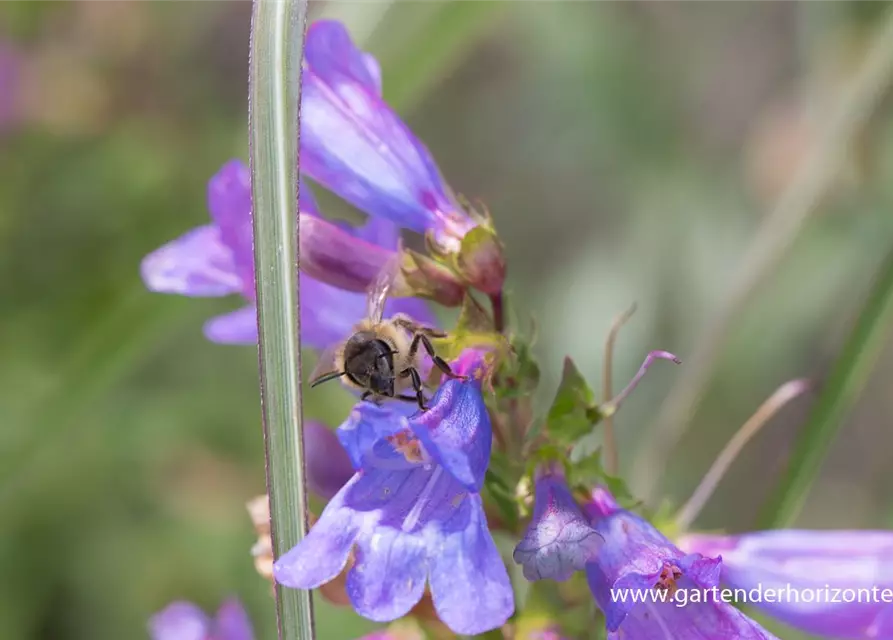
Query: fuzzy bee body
{"x": 373, "y": 357}
{"x": 381, "y": 358}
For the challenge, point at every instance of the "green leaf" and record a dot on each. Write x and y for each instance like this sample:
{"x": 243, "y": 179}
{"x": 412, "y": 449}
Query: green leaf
{"x": 844, "y": 385}
{"x": 573, "y": 412}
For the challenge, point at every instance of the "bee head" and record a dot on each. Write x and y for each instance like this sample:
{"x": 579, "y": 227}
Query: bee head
{"x": 369, "y": 363}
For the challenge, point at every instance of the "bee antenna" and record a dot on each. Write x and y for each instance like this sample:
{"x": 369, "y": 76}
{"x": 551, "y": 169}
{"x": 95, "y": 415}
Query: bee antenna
{"x": 389, "y": 353}
{"x": 327, "y": 377}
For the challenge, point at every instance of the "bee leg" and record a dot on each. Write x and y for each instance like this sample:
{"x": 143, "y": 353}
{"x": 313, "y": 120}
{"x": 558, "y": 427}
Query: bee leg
{"x": 416, "y": 385}
{"x": 438, "y": 361}
{"x": 405, "y": 322}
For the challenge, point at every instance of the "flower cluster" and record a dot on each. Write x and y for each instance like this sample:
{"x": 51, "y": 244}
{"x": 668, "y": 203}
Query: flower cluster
{"x": 413, "y": 495}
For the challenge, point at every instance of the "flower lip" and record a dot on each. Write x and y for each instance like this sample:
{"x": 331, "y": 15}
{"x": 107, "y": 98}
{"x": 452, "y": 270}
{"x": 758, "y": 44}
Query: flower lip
{"x": 456, "y": 429}
{"x": 559, "y": 539}
{"x": 818, "y": 562}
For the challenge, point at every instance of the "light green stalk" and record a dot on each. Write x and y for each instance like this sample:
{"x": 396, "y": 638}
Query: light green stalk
{"x": 277, "y": 44}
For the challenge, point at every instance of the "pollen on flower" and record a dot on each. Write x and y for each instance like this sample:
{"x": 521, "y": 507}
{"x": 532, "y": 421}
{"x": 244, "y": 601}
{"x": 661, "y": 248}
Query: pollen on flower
{"x": 457, "y": 499}
{"x": 669, "y": 575}
{"x": 408, "y": 445}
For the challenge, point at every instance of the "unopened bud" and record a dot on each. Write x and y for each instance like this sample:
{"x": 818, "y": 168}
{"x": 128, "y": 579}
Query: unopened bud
{"x": 481, "y": 260}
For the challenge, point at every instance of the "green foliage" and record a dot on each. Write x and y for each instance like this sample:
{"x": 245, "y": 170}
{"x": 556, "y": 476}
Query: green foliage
{"x": 844, "y": 385}
{"x": 574, "y": 411}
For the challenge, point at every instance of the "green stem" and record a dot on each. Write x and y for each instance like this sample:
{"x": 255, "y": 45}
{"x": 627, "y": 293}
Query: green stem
{"x": 845, "y": 382}
{"x": 277, "y": 43}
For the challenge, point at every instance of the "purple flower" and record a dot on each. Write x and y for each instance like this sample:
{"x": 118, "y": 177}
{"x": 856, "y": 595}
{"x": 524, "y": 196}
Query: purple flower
{"x": 355, "y": 145}
{"x": 637, "y": 561}
{"x": 328, "y": 465}
{"x": 185, "y": 621}
{"x": 836, "y": 584}
{"x": 559, "y": 540}
{"x": 413, "y": 515}
{"x": 217, "y": 260}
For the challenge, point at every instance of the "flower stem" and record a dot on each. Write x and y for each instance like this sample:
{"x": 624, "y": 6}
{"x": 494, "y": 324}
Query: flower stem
{"x": 498, "y": 312}
{"x": 277, "y": 41}
{"x": 612, "y": 461}
{"x": 845, "y": 382}
{"x": 772, "y": 242}
{"x": 784, "y": 394}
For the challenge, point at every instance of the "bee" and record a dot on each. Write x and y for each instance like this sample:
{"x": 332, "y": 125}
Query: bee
{"x": 381, "y": 358}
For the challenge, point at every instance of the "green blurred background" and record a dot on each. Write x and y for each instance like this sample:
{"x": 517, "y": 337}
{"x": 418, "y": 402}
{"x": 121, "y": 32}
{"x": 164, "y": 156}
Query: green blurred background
{"x": 628, "y": 151}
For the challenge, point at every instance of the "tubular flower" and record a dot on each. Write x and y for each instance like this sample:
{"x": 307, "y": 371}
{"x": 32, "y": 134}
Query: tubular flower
{"x": 639, "y": 579}
{"x": 328, "y": 466}
{"x": 185, "y": 621}
{"x": 830, "y": 583}
{"x": 559, "y": 540}
{"x": 412, "y": 514}
{"x": 217, "y": 260}
{"x": 353, "y": 143}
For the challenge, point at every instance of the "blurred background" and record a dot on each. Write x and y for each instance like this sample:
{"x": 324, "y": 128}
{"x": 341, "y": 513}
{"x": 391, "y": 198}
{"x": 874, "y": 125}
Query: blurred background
{"x": 628, "y": 151}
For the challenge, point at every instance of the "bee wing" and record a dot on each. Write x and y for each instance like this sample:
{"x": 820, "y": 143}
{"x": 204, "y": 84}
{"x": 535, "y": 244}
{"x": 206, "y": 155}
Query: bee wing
{"x": 379, "y": 289}
{"x": 325, "y": 366}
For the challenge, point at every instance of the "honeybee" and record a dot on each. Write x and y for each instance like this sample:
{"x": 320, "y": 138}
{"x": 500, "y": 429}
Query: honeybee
{"x": 382, "y": 357}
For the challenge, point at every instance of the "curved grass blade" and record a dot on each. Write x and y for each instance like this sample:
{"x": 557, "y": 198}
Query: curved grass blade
{"x": 842, "y": 389}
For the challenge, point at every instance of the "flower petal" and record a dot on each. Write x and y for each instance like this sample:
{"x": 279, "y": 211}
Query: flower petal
{"x": 236, "y": 327}
{"x": 331, "y": 53}
{"x": 229, "y": 201}
{"x": 366, "y": 425}
{"x": 179, "y": 621}
{"x": 337, "y": 257}
{"x": 388, "y": 577}
{"x": 469, "y": 583}
{"x": 355, "y": 145}
{"x": 232, "y": 622}
{"x": 328, "y": 466}
{"x": 792, "y": 563}
{"x": 456, "y": 431}
{"x": 637, "y": 557}
{"x": 702, "y": 620}
{"x": 559, "y": 540}
{"x": 323, "y": 553}
{"x": 195, "y": 264}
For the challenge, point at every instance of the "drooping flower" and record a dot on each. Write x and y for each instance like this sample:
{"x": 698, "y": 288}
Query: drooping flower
{"x": 836, "y": 584}
{"x": 328, "y": 466}
{"x": 185, "y": 621}
{"x": 637, "y": 561}
{"x": 217, "y": 260}
{"x": 559, "y": 540}
{"x": 412, "y": 514}
{"x": 353, "y": 143}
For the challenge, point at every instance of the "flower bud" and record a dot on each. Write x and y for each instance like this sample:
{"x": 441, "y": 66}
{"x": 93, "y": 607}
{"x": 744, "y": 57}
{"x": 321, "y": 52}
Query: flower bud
{"x": 481, "y": 260}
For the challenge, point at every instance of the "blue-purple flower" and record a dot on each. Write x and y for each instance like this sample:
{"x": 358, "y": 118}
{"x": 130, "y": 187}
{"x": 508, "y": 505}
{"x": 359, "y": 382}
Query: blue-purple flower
{"x": 636, "y": 560}
{"x": 836, "y": 584}
{"x": 559, "y": 540}
{"x": 185, "y": 621}
{"x": 217, "y": 260}
{"x": 412, "y": 514}
{"x": 353, "y": 143}
{"x": 327, "y": 466}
